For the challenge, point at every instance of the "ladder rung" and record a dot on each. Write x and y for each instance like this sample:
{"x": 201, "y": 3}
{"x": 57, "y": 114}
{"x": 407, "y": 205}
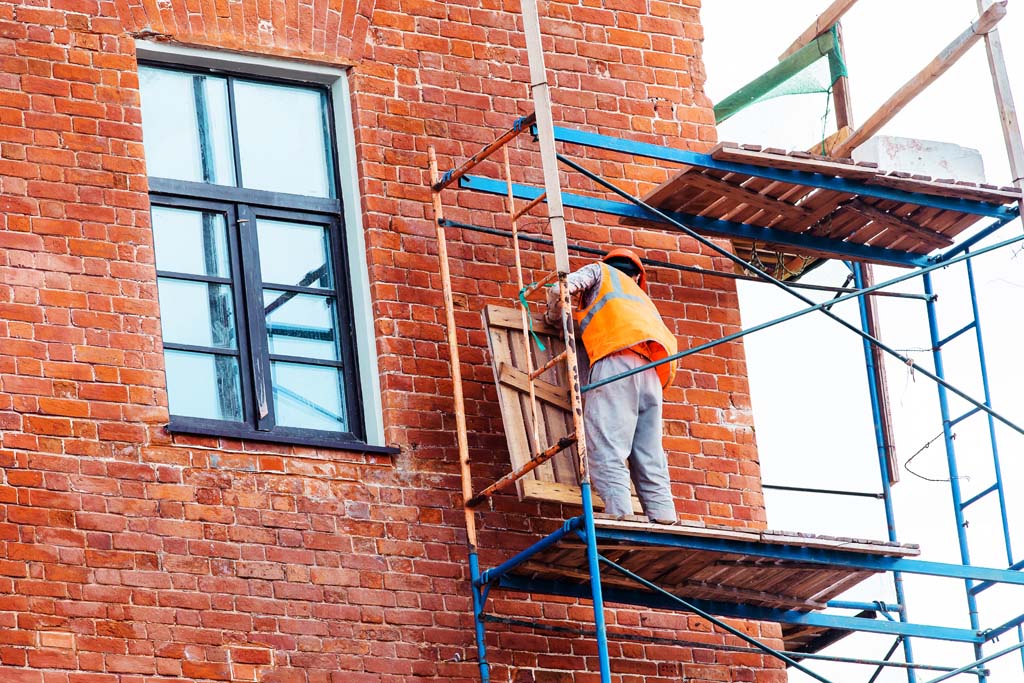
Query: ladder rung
{"x": 547, "y": 366}
{"x": 532, "y": 289}
{"x": 536, "y": 461}
{"x": 963, "y": 417}
{"x": 529, "y": 206}
{"x": 956, "y": 334}
{"x": 979, "y": 496}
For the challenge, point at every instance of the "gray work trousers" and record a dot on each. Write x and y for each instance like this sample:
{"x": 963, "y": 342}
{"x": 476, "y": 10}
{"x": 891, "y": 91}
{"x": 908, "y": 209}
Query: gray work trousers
{"x": 623, "y": 426}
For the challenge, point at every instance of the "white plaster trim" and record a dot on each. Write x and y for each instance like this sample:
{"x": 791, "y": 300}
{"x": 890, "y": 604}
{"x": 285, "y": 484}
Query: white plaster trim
{"x": 355, "y": 244}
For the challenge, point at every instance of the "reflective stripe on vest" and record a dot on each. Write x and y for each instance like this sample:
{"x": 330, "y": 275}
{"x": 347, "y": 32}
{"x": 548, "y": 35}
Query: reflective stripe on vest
{"x": 615, "y": 293}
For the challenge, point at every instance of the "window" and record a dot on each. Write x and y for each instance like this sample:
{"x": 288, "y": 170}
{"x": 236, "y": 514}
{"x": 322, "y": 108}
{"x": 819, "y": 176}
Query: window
{"x": 256, "y": 298}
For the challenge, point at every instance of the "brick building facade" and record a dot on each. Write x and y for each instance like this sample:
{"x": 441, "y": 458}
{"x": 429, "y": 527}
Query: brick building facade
{"x": 133, "y": 549}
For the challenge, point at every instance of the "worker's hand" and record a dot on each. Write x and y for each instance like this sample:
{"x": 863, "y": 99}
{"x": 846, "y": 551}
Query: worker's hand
{"x": 553, "y": 314}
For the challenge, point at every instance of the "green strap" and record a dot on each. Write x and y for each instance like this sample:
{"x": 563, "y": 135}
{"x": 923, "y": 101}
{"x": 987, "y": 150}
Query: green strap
{"x": 526, "y": 305}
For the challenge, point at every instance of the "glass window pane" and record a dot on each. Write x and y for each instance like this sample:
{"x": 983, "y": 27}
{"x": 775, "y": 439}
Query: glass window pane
{"x": 194, "y": 242}
{"x": 301, "y": 325}
{"x": 186, "y": 126}
{"x": 294, "y": 253}
{"x": 308, "y": 396}
{"x": 196, "y": 313}
{"x": 203, "y": 385}
{"x": 282, "y": 138}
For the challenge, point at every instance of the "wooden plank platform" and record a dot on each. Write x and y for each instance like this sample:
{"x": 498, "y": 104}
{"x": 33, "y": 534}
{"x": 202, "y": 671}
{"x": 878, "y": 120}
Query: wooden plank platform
{"x": 842, "y": 216}
{"x": 706, "y": 574}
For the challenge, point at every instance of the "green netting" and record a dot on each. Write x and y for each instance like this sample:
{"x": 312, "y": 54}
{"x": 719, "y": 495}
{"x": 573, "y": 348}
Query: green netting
{"x": 812, "y": 69}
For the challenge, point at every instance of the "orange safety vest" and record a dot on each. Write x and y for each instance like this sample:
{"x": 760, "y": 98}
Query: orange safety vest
{"x": 622, "y": 316}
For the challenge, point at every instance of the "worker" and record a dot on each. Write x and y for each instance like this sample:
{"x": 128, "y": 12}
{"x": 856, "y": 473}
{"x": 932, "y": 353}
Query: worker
{"x": 622, "y": 330}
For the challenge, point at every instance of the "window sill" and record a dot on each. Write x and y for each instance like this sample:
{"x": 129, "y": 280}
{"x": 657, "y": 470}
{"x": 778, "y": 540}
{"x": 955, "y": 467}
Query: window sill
{"x": 341, "y": 442}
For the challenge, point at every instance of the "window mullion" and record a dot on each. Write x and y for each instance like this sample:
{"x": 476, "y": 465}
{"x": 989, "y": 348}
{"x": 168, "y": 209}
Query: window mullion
{"x": 233, "y": 117}
{"x": 256, "y": 324}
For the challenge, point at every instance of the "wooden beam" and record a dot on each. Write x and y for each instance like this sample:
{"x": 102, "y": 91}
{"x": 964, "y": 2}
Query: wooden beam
{"x": 938, "y": 66}
{"x": 1004, "y": 101}
{"x": 841, "y": 90}
{"x": 930, "y": 237}
{"x": 823, "y": 23}
{"x": 745, "y": 196}
{"x": 547, "y": 392}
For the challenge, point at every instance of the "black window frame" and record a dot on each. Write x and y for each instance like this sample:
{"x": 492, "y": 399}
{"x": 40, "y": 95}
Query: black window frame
{"x": 243, "y": 208}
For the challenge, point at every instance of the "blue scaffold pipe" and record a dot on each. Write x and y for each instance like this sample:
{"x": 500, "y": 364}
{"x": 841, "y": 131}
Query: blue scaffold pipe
{"x": 976, "y": 663}
{"x": 964, "y": 246}
{"x": 478, "y": 618}
{"x": 874, "y": 606}
{"x": 495, "y": 573}
{"x": 596, "y": 593}
{"x": 767, "y": 649}
{"x": 882, "y": 453}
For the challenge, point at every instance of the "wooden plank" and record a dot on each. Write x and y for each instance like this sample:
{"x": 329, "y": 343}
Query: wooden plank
{"x": 951, "y": 190}
{"x": 1004, "y": 102}
{"x": 790, "y": 163}
{"x": 938, "y": 66}
{"x": 822, "y": 23}
{"x": 741, "y": 195}
{"x": 510, "y": 318}
{"x": 828, "y": 144}
{"x": 899, "y": 225}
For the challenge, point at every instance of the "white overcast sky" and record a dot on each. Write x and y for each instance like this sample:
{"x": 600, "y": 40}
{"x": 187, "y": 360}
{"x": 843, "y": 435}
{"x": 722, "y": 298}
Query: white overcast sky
{"x": 808, "y": 381}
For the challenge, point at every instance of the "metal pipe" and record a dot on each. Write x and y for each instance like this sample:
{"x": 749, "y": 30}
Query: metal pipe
{"x": 994, "y": 633}
{"x": 490, "y": 575}
{"x": 594, "y": 567}
{"x": 778, "y": 283}
{"x": 948, "y": 338}
{"x": 478, "y": 618}
{"x": 875, "y": 606}
{"x": 832, "y": 492}
{"x": 976, "y": 663}
{"x": 978, "y": 496}
{"x": 716, "y": 621}
{"x": 678, "y": 642}
{"x": 954, "y": 472}
{"x": 987, "y": 392}
{"x": 674, "y": 266}
{"x": 882, "y": 452}
{"x": 985, "y": 585}
{"x": 454, "y": 174}
{"x": 968, "y": 243}
{"x": 888, "y": 655}
{"x": 996, "y": 464}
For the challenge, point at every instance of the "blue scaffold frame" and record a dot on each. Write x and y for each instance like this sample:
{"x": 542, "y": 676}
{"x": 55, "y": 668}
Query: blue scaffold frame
{"x": 582, "y": 528}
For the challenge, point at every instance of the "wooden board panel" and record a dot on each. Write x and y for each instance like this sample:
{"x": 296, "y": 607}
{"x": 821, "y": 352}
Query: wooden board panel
{"x": 557, "y": 480}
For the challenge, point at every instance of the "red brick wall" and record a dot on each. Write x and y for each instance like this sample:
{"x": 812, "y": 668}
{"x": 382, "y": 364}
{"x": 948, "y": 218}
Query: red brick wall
{"x": 129, "y": 555}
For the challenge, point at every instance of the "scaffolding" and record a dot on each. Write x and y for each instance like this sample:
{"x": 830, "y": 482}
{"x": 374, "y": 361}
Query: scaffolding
{"x": 602, "y": 560}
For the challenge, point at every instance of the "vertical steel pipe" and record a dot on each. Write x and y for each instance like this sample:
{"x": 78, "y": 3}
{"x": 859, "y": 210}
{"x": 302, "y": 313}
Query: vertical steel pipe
{"x": 954, "y": 471}
{"x": 594, "y": 565}
{"x": 874, "y": 391}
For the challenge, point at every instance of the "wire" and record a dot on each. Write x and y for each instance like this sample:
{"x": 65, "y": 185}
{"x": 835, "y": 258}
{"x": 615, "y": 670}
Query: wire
{"x": 906, "y": 465}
